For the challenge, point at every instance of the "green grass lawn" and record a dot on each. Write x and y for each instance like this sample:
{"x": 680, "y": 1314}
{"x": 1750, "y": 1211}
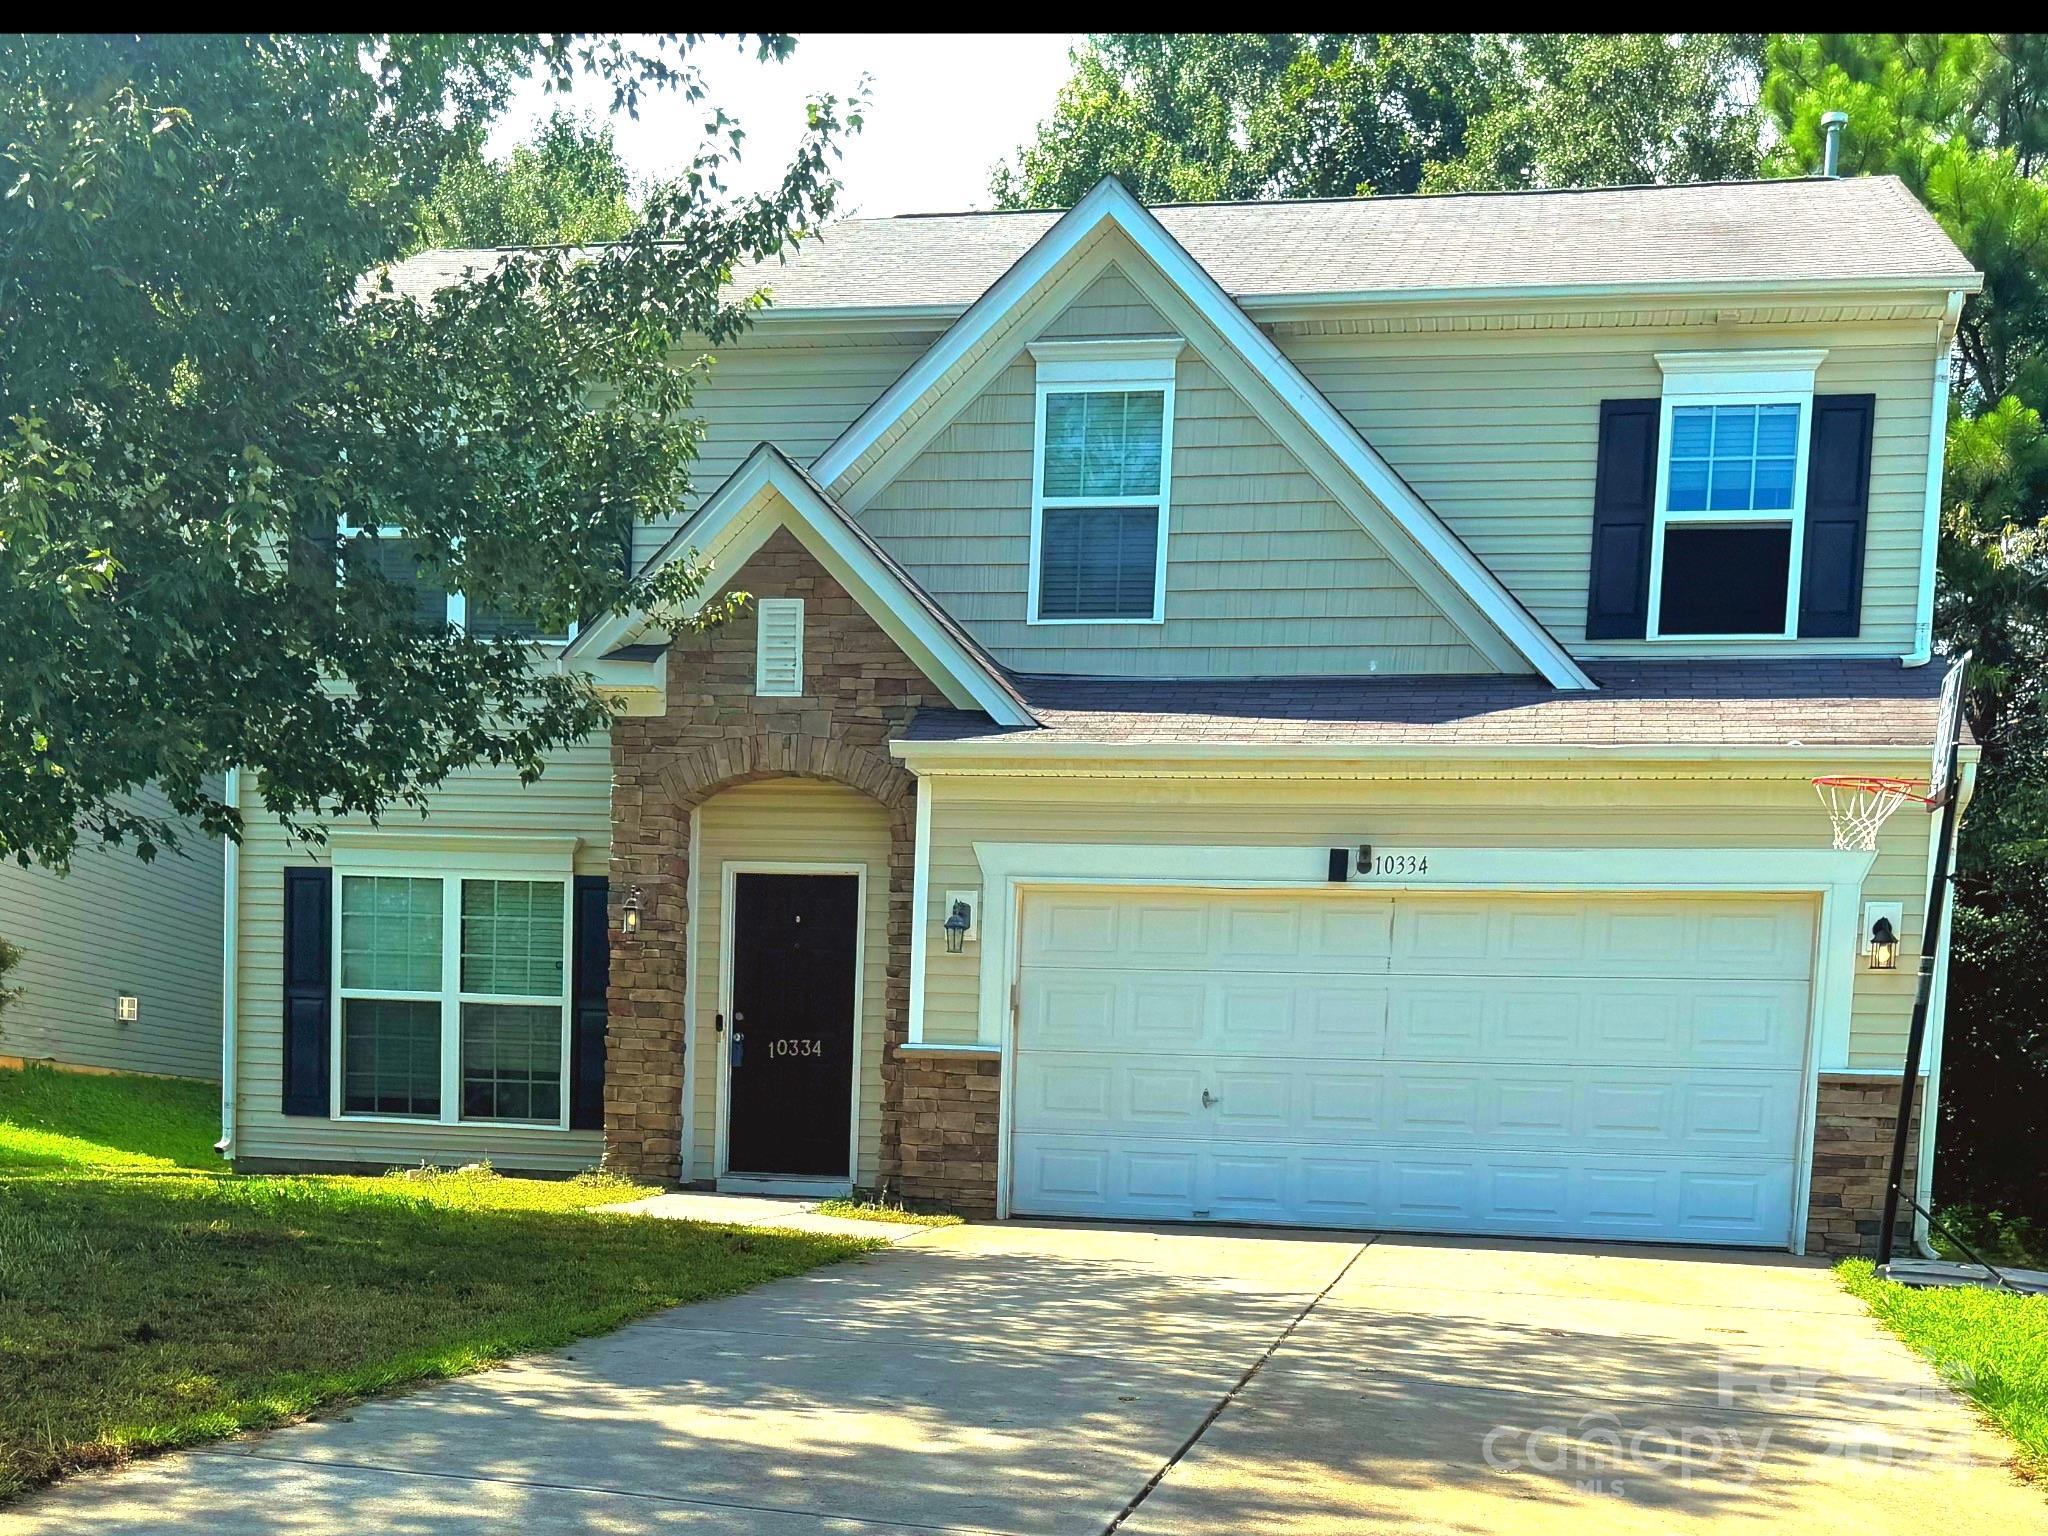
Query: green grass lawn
{"x": 150, "y": 1300}
{"x": 1992, "y": 1345}
{"x": 879, "y": 1210}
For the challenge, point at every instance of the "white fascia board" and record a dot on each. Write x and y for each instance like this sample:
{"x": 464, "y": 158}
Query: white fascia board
{"x": 1282, "y": 305}
{"x": 1022, "y": 752}
{"x": 740, "y": 517}
{"x": 1109, "y": 201}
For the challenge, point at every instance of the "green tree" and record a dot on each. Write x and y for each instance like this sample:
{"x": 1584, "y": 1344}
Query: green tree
{"x": 1585, "y": 109}
{"x": 1194, "y": 116}
{"x": 1191, "y": 116}
{"x": 567, "y": 187}
{"x": 203, "y": 376}
{"x": 1962, "y": 118}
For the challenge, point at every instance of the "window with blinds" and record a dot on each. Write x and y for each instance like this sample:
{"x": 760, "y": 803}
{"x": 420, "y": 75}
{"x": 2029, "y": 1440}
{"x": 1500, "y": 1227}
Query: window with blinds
{"x": 779, "y": 647}
{"x": 1101, "y": 504}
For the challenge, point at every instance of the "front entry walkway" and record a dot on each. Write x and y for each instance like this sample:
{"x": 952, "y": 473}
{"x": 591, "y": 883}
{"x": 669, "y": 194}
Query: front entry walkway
{"x": 1036, "y": 1379}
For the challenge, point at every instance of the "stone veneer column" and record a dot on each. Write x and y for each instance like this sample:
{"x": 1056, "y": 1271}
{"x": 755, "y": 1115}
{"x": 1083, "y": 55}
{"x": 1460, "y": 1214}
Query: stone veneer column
{"x": 947, "y": 1124}
{"x": 860, "y": 690}
{"x": 1852, "y": 1152}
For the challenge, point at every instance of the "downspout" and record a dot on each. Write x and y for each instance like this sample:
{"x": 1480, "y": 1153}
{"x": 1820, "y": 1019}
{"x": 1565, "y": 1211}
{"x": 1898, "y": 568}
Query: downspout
{"x": 230, "y": 929}
{"x": 1930, "y": 521}
{"x": 1930, "y": 1118}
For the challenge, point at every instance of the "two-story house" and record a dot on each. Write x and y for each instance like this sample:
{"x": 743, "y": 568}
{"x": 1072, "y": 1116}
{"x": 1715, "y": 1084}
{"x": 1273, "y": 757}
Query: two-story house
{"x": 1284, "y": 712}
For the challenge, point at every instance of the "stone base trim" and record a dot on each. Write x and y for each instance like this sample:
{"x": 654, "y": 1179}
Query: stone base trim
{"x": 1852, "y": 1153}
{"x": 944, "y": 1151}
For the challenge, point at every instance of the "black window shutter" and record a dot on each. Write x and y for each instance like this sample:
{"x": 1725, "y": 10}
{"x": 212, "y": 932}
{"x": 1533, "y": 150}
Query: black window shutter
{"x": 1624, "y": 506}
{"x": 1837, "y": 509}
{"x": 308, "y": 988}
{"x": 587, "y": 1004}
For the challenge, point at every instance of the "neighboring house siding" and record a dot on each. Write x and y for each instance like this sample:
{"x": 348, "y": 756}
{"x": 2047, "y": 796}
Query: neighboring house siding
{"x": 1267, "y": 575}
{"x": 797, "y": 397}
{"x": 1497, "y": 431}
{"x": 799, "y": 821}
{"x": 573, "y": 796}
{"x": 1470, "y": 807}
{"x": 112, "y": 926}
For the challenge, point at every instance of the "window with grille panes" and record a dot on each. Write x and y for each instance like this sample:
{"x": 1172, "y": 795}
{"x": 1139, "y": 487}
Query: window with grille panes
{"x": 452, "y": 997}
{"x": 1101, "y": 492}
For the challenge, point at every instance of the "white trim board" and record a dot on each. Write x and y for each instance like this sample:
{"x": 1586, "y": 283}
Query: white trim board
{"x": 1110, "y": 203}
{"x": 1834, "y": 877}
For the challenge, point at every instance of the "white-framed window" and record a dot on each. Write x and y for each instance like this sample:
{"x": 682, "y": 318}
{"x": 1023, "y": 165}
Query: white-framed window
{"x": 1101, "y": 481}
{"x": 1730, "y": 520}
{"x": 392, "y": 554}
{"x": 779, "y": 647}
{"x": 451, "y": 995}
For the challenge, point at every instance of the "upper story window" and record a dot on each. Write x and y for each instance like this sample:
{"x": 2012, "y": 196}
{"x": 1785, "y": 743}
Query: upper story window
{"x": 1729, "y": 525}
{"x": 1101, "y": 481}
{"x": 391, "y": 555}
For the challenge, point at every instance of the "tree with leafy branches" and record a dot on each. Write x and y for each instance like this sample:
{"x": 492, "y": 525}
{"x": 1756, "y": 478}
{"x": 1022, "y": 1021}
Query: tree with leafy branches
{"x": 1197, "y": 116}
{"x": 566, "y": 186}
{"x": 1962, "y": 118}
{"x": 205, "y": 378}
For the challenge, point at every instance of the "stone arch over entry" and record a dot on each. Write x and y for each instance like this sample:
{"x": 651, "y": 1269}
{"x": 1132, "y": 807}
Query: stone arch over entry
{"x": 860, "y": 690}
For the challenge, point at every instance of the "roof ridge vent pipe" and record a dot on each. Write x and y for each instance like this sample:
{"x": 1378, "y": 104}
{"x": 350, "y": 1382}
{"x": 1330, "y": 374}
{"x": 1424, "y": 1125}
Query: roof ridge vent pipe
{"x": 1832, "y": 124}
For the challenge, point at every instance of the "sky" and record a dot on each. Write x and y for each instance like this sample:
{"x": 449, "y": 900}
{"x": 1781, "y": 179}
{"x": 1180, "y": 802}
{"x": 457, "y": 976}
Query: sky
{"x": 944, "y": 108}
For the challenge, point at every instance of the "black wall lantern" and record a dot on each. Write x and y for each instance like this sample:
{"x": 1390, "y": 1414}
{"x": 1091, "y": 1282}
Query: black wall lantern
{"x": 1884, "y": 946}
{"x": 629, "y": 922}
{"x": 957, "y": 923}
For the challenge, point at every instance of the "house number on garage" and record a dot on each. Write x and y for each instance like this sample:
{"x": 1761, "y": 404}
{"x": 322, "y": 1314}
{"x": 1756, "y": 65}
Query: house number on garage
{"x": 797, "y": 1048}
{"x": 1391, "y": 863}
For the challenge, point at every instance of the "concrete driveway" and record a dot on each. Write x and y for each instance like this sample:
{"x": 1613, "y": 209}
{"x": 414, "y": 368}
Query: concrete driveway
{"x": 1028, "y": 1379}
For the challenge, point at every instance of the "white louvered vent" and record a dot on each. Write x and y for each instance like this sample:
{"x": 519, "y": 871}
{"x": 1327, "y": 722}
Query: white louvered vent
{"x": 779, "y": 648}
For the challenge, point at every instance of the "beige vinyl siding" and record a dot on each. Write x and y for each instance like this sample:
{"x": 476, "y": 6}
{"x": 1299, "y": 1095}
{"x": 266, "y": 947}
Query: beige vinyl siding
{"x": 1109, "y": 306}
{"x": 797, "y": 397}
{"x": 1480, "y": 807}
{"x": 1498, "y": 432}
{"x": 115, "y": 925}
{"x": 788, "y": 821}
{"x": 1267, "y": 575}
{"x": 572, "y": 797}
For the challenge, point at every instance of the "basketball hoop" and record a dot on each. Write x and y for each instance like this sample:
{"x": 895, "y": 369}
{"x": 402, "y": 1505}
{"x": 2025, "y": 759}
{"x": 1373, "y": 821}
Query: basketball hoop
{"x": 1859, "y": 805}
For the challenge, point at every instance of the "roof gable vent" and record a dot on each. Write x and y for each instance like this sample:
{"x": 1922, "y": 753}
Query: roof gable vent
{"x": 779, "y": 647}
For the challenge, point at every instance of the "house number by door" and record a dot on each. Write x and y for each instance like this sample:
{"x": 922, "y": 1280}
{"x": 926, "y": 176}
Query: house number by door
{"x": 797, "y": 1048}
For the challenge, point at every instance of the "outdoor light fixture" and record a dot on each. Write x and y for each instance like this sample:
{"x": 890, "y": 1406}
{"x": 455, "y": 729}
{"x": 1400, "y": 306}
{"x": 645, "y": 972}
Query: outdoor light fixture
{"x": 957, "y": 923}
{"x": 630, "y": 917}
{"x": 127, "y": 1009}
{"x": 1884, "y": 946}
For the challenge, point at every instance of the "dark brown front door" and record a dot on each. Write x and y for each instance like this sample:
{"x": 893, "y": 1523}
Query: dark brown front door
{"x": 790, "y": 1038}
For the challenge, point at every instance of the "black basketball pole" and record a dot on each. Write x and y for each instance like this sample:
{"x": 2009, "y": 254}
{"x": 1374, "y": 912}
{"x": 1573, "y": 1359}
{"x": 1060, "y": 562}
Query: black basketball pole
{"x": 1930, "y": 949}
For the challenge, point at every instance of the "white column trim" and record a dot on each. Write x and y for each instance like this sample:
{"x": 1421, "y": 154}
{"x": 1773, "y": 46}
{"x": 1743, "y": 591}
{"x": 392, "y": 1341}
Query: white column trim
{"x": 920, "y": 906}
{"x": 230, "y": 967}
{"x": 1930, "y": 518}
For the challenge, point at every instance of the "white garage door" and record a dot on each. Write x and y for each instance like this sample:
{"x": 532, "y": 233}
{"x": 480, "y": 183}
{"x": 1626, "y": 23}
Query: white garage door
{"x": 1608, "y": 1067}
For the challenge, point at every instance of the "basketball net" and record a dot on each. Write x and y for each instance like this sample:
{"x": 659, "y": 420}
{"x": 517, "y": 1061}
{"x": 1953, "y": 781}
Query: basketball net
{"x": 1860, "y": 806}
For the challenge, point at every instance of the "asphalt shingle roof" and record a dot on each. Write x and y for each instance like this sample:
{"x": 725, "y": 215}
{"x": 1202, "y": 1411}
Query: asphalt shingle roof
{"x": 1866, "y": 228}
{"x": 1815, "y": 703}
